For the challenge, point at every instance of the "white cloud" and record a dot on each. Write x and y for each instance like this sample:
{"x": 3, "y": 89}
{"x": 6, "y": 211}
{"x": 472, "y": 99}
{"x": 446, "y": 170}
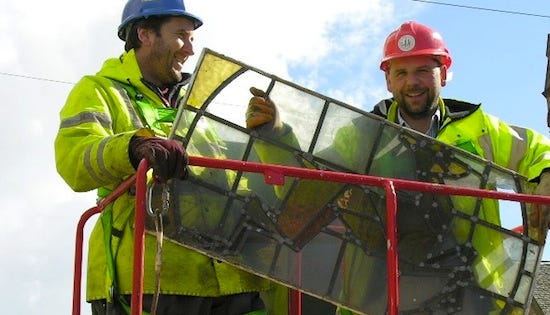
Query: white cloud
{"x": 64, "y": 40}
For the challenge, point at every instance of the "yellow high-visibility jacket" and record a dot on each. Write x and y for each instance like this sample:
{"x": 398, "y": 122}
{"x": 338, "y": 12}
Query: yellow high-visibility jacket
{"x": 466, "y": 126}
{"x": 463, "y": 125}
{"x": 91, "y": 151}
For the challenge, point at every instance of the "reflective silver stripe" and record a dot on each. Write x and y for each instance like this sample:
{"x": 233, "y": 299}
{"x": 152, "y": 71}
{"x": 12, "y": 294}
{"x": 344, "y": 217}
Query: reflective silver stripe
{"x": 485, "y": 143}
{"x": 100, "y": 163}
{"x": 88, "y": 165}
{"x": 519, "y": 147}
{"x": 543, "y": 157}
{"x": 487, "y": 268}
{"x": 87, "y": 117}
{"x": 517, "y": 150}
{"x": 134, "y": 117}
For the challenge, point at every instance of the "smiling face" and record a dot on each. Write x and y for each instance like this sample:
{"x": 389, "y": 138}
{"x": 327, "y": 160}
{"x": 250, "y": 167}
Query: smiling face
{"x": 416, "y": 83}
{"x": 162, "y": 55}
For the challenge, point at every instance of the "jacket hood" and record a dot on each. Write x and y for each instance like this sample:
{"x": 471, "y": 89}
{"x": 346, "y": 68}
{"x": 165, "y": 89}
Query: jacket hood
{"x": 124, "y": 69}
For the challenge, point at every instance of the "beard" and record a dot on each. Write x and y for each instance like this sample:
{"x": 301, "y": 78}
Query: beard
{"x": 418, "y": 109}
{"x": 163, "y": 61}
{"x": 175, "y": 76}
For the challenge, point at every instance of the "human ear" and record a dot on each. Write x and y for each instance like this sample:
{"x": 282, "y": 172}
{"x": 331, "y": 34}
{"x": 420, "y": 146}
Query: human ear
{"x": 443, "y": 75}
{"x": 144, "y": 36}
{"x": 388, "y": 81}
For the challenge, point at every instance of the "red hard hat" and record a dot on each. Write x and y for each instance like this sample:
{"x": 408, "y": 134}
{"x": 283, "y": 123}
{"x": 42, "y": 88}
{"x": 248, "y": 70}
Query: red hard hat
{"x": 414, "y": 39}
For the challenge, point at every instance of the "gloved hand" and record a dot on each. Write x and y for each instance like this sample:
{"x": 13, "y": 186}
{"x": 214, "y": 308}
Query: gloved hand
{"x": 538, "y": 213}
{"x": 167, "y": 157}
{"x": 261, "y": 113}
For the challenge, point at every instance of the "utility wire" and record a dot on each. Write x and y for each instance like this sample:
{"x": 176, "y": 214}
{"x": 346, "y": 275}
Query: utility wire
{"x": 484, "y": 9}
{"x": 35, "y": 78}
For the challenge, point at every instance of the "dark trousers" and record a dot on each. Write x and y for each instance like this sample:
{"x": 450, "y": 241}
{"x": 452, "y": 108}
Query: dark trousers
{"x": 236, "y": 304}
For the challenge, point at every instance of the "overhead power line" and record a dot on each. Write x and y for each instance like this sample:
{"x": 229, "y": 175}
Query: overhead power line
{"x": 35, "y": 78}
{"x": 484, "y": 9}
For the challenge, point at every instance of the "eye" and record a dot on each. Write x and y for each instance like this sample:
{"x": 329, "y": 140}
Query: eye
{"x": 185, "y": 36}
{"x": 400, "y": 74}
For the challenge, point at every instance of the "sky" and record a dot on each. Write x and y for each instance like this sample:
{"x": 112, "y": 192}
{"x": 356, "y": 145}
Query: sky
{"x": 332, "y": 47}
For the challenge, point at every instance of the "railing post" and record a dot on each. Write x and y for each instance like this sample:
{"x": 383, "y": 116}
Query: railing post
{"x": 295, "y": 296}
{"x": 294, "y": 302}
{"x": 77, "y": 282}
{"x": 139, "y": 238}
{"x": 546, "y": 92}
{"x": 392, "y": 258}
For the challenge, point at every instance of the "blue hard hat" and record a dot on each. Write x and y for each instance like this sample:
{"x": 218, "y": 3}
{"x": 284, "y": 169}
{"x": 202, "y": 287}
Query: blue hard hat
{"x": 138, "y": 9}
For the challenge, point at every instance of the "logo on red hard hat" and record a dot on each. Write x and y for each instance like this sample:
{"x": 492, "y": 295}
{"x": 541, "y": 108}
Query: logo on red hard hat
{"x": 406, "y": 43}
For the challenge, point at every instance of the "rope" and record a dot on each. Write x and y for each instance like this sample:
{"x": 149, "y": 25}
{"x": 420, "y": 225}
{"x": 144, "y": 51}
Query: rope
{"x": 159, "y": 231}
{"x": 158, "y": 261}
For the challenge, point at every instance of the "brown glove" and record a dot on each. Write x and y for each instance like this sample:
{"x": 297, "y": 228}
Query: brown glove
{"x": 261, "y": 112}
{"x": 539, "y": 213}
{"x": 167, "y": 157}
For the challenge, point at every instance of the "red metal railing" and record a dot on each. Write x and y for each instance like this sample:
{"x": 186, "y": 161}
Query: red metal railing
{"x": 77, "y": 282}
{"x": 275, "y": 175}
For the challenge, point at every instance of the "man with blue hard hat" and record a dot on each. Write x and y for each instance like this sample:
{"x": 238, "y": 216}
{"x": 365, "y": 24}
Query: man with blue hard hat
{"x": 109, "y": 123}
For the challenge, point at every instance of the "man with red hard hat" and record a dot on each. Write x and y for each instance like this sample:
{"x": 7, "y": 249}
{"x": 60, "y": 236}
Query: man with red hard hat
{"x": 415, "y": 63}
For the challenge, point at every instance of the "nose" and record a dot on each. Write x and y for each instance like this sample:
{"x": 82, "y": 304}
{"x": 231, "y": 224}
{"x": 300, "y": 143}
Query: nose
{"x": 412, "y": 79}
{"x": 187, "y": 47}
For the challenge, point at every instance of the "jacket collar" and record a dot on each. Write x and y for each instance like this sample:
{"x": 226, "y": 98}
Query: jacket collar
{"x": 125, "y": 69}
{"x": 449, "y": 108}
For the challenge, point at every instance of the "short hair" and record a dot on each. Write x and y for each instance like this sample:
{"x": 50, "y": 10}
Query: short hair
{"x": 153, "y": 23}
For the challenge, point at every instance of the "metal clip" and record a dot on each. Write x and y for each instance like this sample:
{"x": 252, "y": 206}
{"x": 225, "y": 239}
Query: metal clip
{"x": 165, "y": 200}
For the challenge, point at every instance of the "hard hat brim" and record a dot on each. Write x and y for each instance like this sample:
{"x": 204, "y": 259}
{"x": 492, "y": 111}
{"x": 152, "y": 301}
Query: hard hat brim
{"x": 197, "y": 22}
